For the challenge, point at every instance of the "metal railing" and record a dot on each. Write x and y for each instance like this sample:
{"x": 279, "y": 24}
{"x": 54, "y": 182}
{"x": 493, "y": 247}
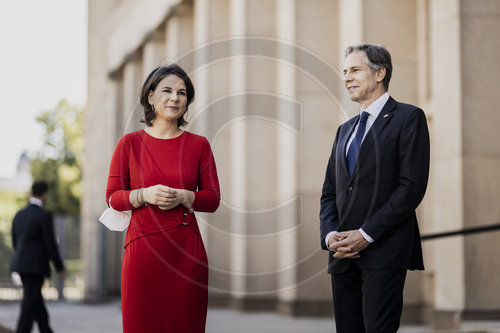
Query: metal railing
{"x": 67, "y": 229}
{"x": 464, "y": 231}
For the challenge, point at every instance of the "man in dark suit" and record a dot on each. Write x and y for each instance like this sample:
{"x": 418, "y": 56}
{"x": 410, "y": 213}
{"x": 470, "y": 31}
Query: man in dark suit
{"x": 34, "y": 245}
{"x": 375, "y": 179}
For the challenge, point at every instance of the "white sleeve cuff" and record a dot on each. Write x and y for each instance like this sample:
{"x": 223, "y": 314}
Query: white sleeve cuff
{"x": 328, "y": 236}
{"x": 365, "y": 236}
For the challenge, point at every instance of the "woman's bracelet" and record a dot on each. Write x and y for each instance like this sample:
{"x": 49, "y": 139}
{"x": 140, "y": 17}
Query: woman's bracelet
{"x": 140, "y": 199}
{"x": 136, "y": 198}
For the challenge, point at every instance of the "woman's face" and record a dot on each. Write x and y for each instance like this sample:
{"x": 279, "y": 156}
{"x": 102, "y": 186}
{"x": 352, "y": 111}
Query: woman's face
{"x": 169, "y": 98}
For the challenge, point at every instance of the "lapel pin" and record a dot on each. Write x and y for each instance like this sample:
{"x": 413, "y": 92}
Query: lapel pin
{"x": 385, "y": 115}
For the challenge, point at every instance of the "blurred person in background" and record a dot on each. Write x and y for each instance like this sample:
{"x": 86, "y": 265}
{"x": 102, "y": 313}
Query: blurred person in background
{"x": 163, "y": 174}
{"x": 34, "y": 246}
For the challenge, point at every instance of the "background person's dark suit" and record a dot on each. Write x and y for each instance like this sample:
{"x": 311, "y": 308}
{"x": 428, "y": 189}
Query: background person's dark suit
{"x": 387, "y": 184}
{"x": 34, "y": 245}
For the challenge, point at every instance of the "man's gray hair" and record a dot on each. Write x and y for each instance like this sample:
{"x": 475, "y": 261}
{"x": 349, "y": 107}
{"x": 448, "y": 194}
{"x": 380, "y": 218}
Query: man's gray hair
{"x": 378, "y": 57}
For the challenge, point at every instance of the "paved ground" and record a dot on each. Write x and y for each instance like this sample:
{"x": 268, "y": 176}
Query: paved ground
{"x": 106, "y": 318}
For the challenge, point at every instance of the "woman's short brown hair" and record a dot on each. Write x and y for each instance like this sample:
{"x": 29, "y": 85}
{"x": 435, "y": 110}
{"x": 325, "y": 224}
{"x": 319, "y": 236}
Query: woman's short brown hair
{"x": 152, "y": 82}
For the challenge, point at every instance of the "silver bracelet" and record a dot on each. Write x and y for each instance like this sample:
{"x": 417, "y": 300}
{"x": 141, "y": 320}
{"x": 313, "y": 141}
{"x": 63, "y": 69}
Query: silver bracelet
{"x": 133, "y": 200}
{"x": 139, "y": 197}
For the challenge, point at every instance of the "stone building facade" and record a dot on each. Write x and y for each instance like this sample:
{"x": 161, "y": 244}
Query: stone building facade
{"x": 269, "y": 97}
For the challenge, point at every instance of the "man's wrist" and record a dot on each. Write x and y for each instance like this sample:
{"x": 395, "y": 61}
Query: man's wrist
{"x": 366, "y": 236}
{"x": 327, "y": 238}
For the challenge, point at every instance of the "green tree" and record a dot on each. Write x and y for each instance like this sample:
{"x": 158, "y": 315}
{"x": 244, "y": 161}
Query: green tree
{"x": 10, "y": 203}
{"x": 59, "y": 160}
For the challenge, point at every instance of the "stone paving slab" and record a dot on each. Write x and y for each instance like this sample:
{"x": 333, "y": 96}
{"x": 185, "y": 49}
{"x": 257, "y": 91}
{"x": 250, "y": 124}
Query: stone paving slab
{"x": 81, "y": 317}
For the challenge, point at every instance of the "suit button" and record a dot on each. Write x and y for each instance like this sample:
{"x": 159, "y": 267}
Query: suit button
{"x": 349, "y": 188}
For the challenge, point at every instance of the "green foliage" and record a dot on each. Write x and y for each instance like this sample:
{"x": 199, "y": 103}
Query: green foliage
{"x": 59, "y": 161}
{"x": 10, "y": 203}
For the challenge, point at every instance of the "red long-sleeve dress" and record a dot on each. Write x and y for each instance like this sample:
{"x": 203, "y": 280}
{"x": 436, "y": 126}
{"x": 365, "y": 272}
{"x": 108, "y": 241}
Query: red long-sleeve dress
{"x": 165, "y": 270}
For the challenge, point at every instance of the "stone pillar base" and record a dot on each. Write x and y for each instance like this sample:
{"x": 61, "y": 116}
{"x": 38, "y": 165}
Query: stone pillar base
{"x": 446, "y": 320}
{"x": 413, "y": 314}
{"x": 481, "y": 314}
{"x": 252, "y": 304}
{"x": 218, "y": 301}
{"x": 293, "y": 309}
{"x": 305, "y": 308}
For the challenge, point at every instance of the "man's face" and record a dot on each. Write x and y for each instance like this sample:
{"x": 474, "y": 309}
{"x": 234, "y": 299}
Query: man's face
{"x": 363, "y": 84}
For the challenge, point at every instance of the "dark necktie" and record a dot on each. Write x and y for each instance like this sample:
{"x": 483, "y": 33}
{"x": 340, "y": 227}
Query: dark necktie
{"x": 352, "y": 153}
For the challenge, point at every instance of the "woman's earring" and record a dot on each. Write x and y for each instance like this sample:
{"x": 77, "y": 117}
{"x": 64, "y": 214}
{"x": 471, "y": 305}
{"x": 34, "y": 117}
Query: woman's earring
{"x": 153, "y": 108}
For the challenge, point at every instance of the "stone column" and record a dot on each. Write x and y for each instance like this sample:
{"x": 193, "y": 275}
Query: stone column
{"x": 112, "y": 252}
{"x": 209, "y": 118}
{"x": 239, "y": 188}
{"x": 286, "y": 162}
{"x": 351, "y": 31}
{"x": 100, "y": 122}
{"x": 179, "y": 32}
{"x": 480, "y": 69}
{"x": 153, "y": 52}
{"x": 132, "y": 80}
{"x": 320, "y": 94}
{"x": 424, "y": 293}
{"x": 253, "y": 158}
{"x": 446, "y": 255}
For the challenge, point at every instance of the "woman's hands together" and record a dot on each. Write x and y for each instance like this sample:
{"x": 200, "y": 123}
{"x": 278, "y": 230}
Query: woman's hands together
{"x": 167, "y": 197}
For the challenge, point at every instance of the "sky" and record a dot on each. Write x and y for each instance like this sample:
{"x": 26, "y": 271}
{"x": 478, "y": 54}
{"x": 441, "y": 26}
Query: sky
{"x": 43, "y": 59}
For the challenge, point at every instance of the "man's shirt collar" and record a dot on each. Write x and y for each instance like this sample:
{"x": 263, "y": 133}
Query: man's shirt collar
{"x": 377, "y": 106}
{"x": 36, "y": 201}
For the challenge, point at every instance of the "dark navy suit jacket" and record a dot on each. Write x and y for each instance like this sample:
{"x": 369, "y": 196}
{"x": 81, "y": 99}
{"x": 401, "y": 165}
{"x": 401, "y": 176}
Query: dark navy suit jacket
{"x": 34, "y": 242}
{"x": 387, "y": 185}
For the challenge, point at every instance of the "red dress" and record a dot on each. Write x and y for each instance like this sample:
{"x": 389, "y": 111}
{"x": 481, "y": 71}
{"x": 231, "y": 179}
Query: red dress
{"x": 165, "y": 270}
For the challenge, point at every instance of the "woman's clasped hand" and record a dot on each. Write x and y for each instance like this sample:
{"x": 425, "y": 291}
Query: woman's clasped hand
{"x": 167, "y": 197}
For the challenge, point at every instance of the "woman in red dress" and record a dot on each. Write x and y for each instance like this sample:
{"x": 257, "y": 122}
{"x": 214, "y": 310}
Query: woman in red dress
{"x": 163, "y": 174}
